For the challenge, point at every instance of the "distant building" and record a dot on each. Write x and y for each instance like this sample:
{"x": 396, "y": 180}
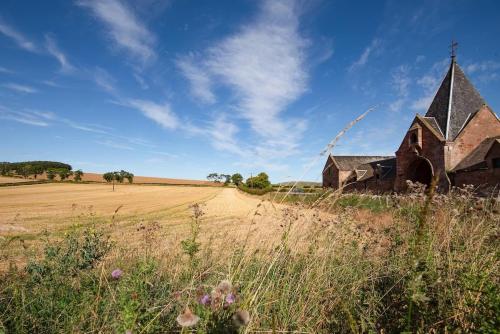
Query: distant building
{"x": 458, "y": 140}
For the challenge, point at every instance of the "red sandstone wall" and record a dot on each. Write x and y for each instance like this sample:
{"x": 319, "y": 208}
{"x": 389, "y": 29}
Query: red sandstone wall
{"x": 483, "y": 125}
{"x": 330, "y": 174}
{"x": 431, "y": 149}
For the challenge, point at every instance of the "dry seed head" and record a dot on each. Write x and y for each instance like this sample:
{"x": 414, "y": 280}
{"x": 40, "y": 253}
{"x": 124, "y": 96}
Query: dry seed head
{"x": 187, "y": 319}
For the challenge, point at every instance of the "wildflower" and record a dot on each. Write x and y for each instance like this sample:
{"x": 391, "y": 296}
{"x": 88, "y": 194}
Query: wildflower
{"x": 128, "y": 331}
{"x": 205, "y": 300}
{"x": 224, "y": 287}
{"x": 116, "y": 274}
{"x": 241, "y": 318}
{"x": 188, "y": 318}
{"x": 230, "y": 298}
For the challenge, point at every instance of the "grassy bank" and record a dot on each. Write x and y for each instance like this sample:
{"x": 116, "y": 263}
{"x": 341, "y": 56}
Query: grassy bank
{"x": 422, "y": 264}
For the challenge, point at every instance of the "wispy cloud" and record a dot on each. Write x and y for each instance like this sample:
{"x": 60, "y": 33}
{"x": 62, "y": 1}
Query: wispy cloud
{"x": 429, "y": 84}
{"x": 124, "y": 27}
{"x": 112, "y": 144}
{"x": 160, "y": 113}
{"x": 17, "y": 37}
{"x": 483, "y": 66}
{"x": 222, "y": 134}
{"x": 401, "y": 80}
{"x": 5, "y": 70}
{"x": 23, "y": 117}
{"x": 53, "y": 50}
{"x": 104, "y": 80}
{"x": 363, "y": 58}
{"x": 20, "y": 88}
{"x": 199, "y": 79}
{"x": 264, "y": 64}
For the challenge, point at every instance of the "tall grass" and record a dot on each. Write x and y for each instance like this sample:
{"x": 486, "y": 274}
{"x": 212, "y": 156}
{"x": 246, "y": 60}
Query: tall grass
{"x": 423, "y": 264}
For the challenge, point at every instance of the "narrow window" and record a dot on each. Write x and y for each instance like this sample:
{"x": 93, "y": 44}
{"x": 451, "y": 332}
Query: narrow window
{"x": 496, "y": 162}
{"x": 413, "y": 138}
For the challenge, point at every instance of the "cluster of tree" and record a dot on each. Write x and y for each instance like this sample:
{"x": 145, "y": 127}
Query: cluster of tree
{"x": 226, "y": 178}
{"x": 218, "y": 178}
{"x": 261, "y": 181}
{"x": 28, "y": 168}
{"x": 118, "y": 177}
{"x": 64, "y": 173}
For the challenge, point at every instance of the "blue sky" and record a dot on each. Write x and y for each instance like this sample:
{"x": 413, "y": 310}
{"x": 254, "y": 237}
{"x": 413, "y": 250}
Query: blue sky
{"x": 184, "y": 88}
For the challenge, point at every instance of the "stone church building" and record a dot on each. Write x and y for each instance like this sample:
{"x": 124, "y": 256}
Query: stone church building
{"x": 457, "y": 140}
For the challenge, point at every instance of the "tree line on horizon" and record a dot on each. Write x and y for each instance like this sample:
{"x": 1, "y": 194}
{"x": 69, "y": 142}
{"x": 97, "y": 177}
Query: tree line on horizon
{"x": 35, "y": 168}
{"x": 260, "y": 181}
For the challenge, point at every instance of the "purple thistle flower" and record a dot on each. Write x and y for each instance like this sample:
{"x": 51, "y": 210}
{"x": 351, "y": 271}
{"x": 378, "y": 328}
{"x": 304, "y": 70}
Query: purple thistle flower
{"x": 230, "y": 298}
{"x": 205, "y": 300}
{"x": 116, "y": 274}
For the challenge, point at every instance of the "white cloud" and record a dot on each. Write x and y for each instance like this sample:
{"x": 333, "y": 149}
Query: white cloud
{"x": 20, "y": 88}
{"x": 160, "y": 113}
{"x": 430, "y": 83}
{"x": 363, "y": 59}
{"x": 401, "y": 80}
{"x": 422, "y": 104}
{"x": 53, "y": 49}
{"x": 5, "y": 70}
{"x": 112, "y": 144}
{"x": 124, "y": 27}
{"x": 483, "y": 66}
{"x": 104, "y": 80}
{"x": 222, "y": 134}
{"x": 397, "y": 105}
{"x": 198, "y": 78}
{"x": 264, "y": 64}
{"x": 17, "y": 37}
{"x": 23, "y": 117}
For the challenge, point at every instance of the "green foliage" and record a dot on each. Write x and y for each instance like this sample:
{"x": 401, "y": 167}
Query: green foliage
{"x": 108, "y": 177}
{"x": 64, "y": 173}
{"x": 77, "y": 175}
{"x": 51, "y": 174}
{"x": 237, "y": 179}
{"x": 27, "y": 168}
{"x": 261, "y": 181}
{"x": 254, "y": 191}
{"x": 374, "y": 204}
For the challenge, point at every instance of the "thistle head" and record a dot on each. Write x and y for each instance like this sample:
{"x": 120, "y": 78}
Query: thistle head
{"x": 187, "y": 318}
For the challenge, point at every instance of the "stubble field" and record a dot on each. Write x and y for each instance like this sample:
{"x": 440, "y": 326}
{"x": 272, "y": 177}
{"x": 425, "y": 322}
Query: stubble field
{"x": 157, "y": 259}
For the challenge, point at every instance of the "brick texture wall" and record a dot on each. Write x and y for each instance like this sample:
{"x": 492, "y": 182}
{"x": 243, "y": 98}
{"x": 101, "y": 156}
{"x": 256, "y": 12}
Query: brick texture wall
{"x": 483, "y": 125}
{"x": 330, "y": 174}
{"x": 429, "y": 147}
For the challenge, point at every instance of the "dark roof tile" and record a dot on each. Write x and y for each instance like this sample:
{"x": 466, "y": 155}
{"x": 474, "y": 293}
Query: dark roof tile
{"x": 350, "y": 162}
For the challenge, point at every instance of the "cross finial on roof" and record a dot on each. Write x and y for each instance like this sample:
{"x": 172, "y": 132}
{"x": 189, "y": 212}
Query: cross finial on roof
{"x": 453, "y": 49}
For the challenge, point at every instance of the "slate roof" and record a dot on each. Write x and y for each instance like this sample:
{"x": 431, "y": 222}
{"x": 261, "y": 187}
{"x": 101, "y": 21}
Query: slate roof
{"x": 451, "y": 111}
{"x": 367, "y": 171}
{"x": 476, "y": 159}
{"x": 350, "y": 162}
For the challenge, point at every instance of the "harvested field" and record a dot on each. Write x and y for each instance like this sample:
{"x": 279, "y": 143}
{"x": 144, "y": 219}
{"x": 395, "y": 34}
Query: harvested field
{"x": 95, "y": 177}
{"x": 7, "y": 179}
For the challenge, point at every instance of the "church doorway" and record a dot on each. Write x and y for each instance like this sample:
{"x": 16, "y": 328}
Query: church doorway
{"x": 421, "y": 171}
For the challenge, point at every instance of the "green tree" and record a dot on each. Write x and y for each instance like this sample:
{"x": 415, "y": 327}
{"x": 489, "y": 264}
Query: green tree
{"x": 129, "y": 177}
{"x": 261, "y": 181}
{"x": 237, "y": 178}
{"x": 109, "y": 177}
{"x": 77, "y": 175}
{"x": 214, "y": 177}
{"x": 64, "y": 173}
{"x": 51, "y": 174}
{"x": 226, "y": 178}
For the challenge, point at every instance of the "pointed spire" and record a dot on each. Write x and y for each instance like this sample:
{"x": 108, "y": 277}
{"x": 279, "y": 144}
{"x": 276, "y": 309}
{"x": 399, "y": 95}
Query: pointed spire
{"x": 455, "y": 101}
{"x": 453, "y": 50}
